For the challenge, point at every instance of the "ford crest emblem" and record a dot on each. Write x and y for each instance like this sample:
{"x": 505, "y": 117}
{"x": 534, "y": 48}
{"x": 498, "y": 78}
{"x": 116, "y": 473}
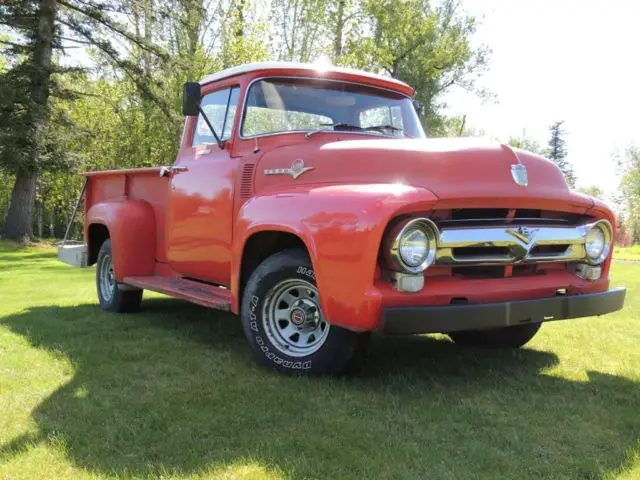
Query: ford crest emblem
{"x": 519, "y": 174}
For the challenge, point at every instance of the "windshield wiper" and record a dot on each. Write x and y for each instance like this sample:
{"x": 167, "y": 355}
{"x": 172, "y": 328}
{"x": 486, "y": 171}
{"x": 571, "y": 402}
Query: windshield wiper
{"x": 382, "y": 128}
{"x": 332, "y": 127}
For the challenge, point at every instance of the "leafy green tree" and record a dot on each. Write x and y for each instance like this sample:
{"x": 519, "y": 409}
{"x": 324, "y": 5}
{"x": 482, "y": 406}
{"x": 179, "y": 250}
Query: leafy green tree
{"x": 558, "y": 152}
{"x": 428, "y": 46}
{"x": 528, "y": 144}
{"x": 38, "y": 27}
{"x": 629, "y": 197}
{"x": 593, "y": 190}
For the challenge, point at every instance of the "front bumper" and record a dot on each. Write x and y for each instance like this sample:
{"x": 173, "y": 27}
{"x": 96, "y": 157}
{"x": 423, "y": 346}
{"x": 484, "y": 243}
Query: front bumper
{"x": 451, "y": 318}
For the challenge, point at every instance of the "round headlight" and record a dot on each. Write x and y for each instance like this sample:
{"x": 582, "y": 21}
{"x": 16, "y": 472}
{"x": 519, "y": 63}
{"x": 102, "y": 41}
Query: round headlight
{"x": 411, "y": 245}
{"x": 414, "y": 247}
{"x": 598, "y": 242}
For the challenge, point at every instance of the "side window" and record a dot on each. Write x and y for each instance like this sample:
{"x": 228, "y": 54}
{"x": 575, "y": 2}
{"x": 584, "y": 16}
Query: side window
{"x": 220, "y": 108}
{"x": 384, "y": 115}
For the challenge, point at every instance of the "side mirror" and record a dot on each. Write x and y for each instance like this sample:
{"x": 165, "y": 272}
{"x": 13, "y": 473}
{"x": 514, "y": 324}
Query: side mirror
{"x": 191, "y": 99}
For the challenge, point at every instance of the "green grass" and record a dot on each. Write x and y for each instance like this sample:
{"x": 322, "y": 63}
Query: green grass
{"x": 173, "y": 392}
{"x": 627, "y": 253}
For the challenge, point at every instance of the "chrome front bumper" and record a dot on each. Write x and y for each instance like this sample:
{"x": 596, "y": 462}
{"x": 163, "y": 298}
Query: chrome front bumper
{"x": 74, "y": 254}
{"x": 507, "y": 245}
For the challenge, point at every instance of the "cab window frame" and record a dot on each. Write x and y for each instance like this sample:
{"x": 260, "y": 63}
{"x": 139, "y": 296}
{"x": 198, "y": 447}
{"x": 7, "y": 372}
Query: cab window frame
{"x": 245, "y": 102}
{"x": 196, "y": 139}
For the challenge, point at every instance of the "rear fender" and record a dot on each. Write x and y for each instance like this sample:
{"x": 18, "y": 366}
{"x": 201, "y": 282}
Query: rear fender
{"x": 342, "y": 227}
{"x": 132, "y": 230}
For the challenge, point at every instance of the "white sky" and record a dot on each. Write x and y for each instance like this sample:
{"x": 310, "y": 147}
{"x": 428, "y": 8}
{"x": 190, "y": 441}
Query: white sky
{"x": 571, "y": 60}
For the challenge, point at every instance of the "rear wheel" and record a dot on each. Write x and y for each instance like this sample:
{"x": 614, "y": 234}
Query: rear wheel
{"x": 284, "y": 323}
{"x": 505, "y": 337}
{"x": 114, "y": 296}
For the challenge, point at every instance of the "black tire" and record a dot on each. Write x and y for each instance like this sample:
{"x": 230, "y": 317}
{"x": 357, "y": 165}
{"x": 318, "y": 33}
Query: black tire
{"x": 112, "y": 296}
{"x": 505, "y": 337}
{"x": 292, "y": 268}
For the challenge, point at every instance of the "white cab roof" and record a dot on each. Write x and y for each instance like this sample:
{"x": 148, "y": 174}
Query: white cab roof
{"x": 252, "y": 67}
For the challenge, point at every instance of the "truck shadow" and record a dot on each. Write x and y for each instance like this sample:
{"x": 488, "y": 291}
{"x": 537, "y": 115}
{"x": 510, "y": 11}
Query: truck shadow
{"x": 174, "y": 390}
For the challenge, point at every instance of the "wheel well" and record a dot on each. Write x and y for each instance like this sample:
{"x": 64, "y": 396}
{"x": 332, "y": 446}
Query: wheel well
{"x": 262, "y": 245}
{"x": 98, "y": 233}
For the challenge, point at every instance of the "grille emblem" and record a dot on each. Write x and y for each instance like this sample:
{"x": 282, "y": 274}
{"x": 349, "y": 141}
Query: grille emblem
{"x": 297, "y": 168}
{"x": 519, "y": 174}
{"x": 524, "y": 234}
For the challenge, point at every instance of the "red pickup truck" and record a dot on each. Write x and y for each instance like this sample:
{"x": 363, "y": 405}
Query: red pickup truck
{"x": 309, "y": 202}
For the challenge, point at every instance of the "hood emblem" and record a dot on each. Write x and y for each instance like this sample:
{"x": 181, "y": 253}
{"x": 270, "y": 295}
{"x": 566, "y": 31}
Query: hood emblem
{"x": 297, "y": 168}
{"x": 524, "y": 234}
{"x": 519, "y": 174}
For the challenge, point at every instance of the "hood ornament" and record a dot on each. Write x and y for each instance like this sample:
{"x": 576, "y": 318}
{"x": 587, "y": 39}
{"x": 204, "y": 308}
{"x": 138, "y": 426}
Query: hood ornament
{"x": 297, "y": 168}
{"x": 519, "y": 174}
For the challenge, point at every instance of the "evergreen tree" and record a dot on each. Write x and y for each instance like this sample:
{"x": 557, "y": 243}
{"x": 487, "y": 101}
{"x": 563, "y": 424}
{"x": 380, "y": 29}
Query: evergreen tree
{"x": 558, "y": 152}
{"x": 37, "y": 29}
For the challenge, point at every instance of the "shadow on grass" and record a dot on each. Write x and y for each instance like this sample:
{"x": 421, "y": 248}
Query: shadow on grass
{"x": 174, "y": 390}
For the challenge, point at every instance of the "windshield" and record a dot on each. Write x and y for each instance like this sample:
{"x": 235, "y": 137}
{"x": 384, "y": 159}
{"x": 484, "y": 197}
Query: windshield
{"x": 293, "y": 104}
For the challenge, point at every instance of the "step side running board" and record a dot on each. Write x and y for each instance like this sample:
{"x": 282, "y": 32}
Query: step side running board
{"x": 195, "y": 292}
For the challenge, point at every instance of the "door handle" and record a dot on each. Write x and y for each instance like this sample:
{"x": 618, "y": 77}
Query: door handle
{"x": 172, "y": 170}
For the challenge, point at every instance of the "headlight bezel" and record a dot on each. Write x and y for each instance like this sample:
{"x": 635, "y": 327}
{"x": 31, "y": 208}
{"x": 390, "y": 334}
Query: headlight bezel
{"x": 605, "y": 227}
{"x": 404, "y": 228}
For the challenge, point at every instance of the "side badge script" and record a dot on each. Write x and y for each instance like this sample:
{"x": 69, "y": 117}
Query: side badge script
{"x": 297, "y": 168}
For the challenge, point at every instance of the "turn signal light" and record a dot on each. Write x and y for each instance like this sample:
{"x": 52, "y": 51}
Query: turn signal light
{"x": 588, "y": 272}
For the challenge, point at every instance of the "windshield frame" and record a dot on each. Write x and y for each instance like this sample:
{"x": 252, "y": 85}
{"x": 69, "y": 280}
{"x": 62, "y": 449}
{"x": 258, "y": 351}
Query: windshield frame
{"x": 307, "y": 130}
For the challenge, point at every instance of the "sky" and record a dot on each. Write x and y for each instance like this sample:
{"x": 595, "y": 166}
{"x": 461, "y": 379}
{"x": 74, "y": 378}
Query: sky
{"x": 577, "y": 61}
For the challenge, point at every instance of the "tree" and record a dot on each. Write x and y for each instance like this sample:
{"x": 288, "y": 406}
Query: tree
{"x": 629, "y": 193}
{"x": 592, "y": 190}
{"x": 38, "y": 27}
{"x": 558, "y": 152}
{"x": 427, "y": 46}
{"x": 528, "y": 144}
{"x": 25, "y": 110}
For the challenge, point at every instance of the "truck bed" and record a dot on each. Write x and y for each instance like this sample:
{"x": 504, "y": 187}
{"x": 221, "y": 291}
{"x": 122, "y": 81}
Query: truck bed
{"x": 136, "y": 183}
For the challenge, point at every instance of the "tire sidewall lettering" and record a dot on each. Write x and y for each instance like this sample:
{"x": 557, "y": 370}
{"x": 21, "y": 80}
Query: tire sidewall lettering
{"x": 256, "y": 326}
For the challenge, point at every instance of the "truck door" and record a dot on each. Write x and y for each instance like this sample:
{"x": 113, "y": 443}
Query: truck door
{"x": 200, "y": 200}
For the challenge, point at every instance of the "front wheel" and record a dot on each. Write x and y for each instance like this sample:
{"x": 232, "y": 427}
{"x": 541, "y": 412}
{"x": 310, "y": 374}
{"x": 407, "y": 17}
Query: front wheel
{"x": 113, "y": 296}
{"x": 505, "y": 337}
{"x": 284, "y": 323}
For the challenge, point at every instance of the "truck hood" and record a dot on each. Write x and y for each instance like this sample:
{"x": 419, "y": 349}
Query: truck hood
{"x": 464, "y": 171}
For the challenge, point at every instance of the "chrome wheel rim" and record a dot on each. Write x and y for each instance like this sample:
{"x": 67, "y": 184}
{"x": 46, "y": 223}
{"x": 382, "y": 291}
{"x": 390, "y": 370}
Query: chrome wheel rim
{"x": 107, "y": 278}
{"x": 293, "y": 320}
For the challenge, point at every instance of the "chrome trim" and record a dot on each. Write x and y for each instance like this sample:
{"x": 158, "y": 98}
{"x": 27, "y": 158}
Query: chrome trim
{"x": 392, "y": 249}
{"x": 260, "y": 135}
{"x": 520, "y": 242}
{"x": 607, "y": 229}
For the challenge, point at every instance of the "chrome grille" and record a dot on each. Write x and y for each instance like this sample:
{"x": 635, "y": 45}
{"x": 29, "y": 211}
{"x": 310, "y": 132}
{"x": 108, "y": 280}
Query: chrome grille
{"x": 510, "y": 244}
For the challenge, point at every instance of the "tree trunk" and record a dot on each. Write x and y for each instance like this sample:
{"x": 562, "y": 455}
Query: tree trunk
{"x": 20, "y": 219}
{"x": 52, "y": 219}
{"x": 40, "y": 220}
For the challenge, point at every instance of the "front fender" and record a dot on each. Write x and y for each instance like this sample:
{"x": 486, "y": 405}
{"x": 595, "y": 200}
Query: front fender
{"x": 132, "y": 230}
{"x": 342, "y": 227}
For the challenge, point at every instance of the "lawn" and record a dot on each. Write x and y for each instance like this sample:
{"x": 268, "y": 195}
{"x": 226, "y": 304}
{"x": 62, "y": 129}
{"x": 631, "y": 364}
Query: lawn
{"x": 627, "y": 253}
{"x": 173, "y": 392}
